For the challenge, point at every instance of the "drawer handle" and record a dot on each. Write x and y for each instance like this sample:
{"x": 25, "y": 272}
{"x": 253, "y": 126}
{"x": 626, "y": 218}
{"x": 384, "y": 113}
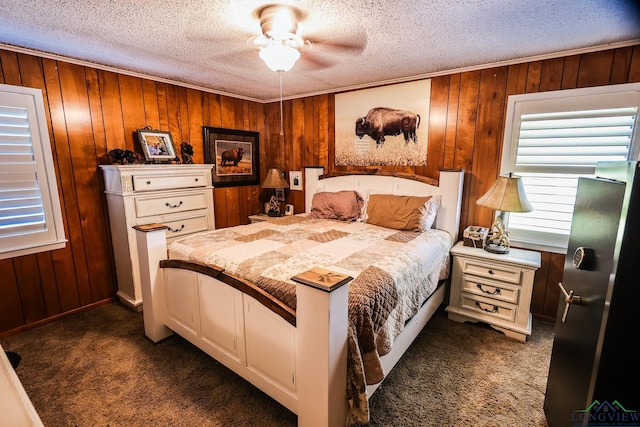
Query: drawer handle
{"x": 173, "y": 206}
{"x": 175, "y": 230}
{"x": 496, "y": 291}
{"x": 197, "y": 179}
{"x": 491, "y": 272}
{"x": 148, "y": 182}
{"x": 493, "y": 310}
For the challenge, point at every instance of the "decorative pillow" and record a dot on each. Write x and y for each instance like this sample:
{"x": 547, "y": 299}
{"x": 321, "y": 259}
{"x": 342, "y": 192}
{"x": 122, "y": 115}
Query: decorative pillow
{"x": 397, "y": 212}
{"x": 342, "y": 205}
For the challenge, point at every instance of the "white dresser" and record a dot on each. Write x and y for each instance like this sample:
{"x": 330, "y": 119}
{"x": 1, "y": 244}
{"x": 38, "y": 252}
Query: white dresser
{"x": 178, "y": 196}
{"x": 493, "y": 288}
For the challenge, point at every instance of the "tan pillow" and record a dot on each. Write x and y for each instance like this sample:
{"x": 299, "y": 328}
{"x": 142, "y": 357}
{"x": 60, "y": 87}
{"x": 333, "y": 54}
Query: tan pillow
{"x": 341, "y": 205}
{"x": 397, "y": 212}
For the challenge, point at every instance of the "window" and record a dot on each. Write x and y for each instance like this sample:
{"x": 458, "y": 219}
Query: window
{"x": 552, "y": 139}
{"x": 30, "y": 214}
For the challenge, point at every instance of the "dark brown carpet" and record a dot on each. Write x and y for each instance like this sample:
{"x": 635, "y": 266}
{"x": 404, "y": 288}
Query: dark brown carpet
{"x": 96, "y": 369}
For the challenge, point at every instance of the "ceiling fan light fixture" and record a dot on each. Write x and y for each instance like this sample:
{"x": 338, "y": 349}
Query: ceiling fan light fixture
{"x": 279, "y": 56}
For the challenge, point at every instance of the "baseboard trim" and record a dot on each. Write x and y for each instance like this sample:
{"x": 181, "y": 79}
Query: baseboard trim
{"x": 6, "y": 334}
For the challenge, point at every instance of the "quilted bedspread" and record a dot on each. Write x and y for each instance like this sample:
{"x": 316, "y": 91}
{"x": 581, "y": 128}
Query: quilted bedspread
{"x": 394, "y": 273}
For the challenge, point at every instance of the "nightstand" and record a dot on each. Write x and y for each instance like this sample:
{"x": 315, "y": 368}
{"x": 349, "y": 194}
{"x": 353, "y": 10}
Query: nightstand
{"x": 257, "y": 218}
{"x": 493, "y": 288}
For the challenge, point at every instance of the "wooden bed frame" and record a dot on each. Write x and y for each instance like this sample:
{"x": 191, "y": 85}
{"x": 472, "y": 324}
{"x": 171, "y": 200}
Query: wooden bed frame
{"x": 299, "y": 359}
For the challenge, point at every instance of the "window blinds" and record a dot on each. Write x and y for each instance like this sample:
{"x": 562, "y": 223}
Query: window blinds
{"x": 30, "y": 214}
{"x": 554, "y": 149}
{"x": 574, "y": 141}
{"x": 21, "y": 209}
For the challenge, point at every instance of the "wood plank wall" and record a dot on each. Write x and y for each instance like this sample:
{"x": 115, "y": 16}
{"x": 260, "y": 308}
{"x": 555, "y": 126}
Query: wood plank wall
{"x": 90, "y": 112}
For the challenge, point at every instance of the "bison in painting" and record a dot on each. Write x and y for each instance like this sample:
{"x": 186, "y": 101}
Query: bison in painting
{"x": 382, "y": 121}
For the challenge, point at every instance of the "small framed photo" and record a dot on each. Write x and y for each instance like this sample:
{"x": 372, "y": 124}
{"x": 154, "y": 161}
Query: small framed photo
{"x": 295, "y": 180}
{"x": 280, "y": 194}
{"x": 157, "y": 146}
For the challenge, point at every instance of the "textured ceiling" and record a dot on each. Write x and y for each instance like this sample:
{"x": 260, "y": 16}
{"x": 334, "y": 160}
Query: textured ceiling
{"x": 203, "y": 42}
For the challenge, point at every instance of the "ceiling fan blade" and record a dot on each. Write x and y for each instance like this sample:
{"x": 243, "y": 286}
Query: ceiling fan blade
{"x": 352, "y": 44}
{"x": 309, "y": 61}
{"x": 341, "y": 46}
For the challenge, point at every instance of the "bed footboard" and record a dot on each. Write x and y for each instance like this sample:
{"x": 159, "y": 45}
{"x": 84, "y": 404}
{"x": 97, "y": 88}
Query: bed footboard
{"x": 301, "y": 363}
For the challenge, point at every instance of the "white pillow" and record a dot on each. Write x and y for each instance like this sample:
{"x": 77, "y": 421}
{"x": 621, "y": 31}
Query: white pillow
{"x": 429, "y": 212}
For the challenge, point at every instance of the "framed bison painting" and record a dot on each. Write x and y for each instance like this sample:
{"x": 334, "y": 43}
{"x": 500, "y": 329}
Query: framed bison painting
{"x": 234, "y": 154}
{"x": 383, "y": 126}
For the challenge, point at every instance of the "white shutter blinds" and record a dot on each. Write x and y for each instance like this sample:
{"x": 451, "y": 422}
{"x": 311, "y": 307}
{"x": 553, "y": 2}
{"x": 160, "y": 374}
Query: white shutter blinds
{"x": 30, "y": 215}
{"x": 557, "y": 138}
{"x": 21, "y": 209}
{"x": 574, "y": 141}
{"x": 554, "y": 149}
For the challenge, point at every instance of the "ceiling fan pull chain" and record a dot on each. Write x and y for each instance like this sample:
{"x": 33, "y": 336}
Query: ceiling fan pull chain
{"x": 281, "y": 118}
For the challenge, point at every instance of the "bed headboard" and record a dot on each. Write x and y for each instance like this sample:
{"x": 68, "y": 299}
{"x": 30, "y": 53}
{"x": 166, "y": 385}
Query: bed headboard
{"x": 449, "y": 188}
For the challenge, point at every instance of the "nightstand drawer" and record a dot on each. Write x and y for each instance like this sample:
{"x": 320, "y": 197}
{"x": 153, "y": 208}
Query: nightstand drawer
{"x": 170, "y": 203}
{"x": 168, "y": 182}
{"x": 493, "y": 271}
{"x": 489, "y": 289}
{"x": 487, "y": 307}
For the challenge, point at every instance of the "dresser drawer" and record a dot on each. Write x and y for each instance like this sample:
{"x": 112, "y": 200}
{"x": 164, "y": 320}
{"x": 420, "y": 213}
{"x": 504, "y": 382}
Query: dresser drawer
{"x": 490, "y": 289}
{"x": 487, "y": 307}
{"x": 170, "y": 203}
{"x": 493, "y": 271}
{"x": 168, "y": 181}
{"x": 183, "y": 226}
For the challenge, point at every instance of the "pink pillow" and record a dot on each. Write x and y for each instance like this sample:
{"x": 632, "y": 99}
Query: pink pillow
{"x": 342, "y": 205}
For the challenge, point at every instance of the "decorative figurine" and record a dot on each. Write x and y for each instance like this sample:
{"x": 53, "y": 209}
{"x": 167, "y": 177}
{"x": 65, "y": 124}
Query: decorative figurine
{"x": 274, "y": 207}
{"x": 125, "y": 156}
{"x": 186, "y": 150}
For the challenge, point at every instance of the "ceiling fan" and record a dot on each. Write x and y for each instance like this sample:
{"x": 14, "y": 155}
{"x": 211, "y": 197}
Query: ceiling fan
{"x": 280, "y": 46}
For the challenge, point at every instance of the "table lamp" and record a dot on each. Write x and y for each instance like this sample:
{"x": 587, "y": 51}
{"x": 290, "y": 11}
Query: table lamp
{"x": 506, "y": 195}
{"x": 275, "y": 180}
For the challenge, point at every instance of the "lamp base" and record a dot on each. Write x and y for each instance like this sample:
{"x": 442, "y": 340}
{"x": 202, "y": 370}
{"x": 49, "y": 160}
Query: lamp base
{"x": 496, "y": 248}
{"x": 498, "y": 239}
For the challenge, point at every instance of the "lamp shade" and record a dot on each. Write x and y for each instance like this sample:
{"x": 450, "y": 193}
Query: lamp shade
{"x": 274, "y": 179}
{"x": 507, "y": 195}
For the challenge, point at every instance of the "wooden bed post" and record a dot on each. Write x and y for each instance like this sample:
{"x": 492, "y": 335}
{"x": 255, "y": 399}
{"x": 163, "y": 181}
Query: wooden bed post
{"x": 321, "y": 355}
{"x": 152, "y": 248}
